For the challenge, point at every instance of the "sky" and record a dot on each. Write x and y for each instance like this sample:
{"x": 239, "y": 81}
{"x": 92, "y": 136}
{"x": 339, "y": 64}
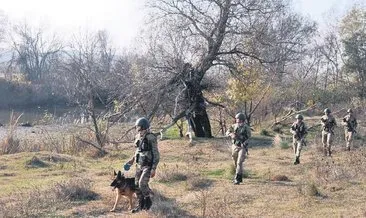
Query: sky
{"x": 122, "y": 18}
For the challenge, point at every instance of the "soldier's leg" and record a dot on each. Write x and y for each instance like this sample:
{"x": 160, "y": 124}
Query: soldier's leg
{"x": 298, "y": 151}
{"x": 241, "y": 158}
{"x": 330, "y": 137}
{"x": 294, "y": 145}
{"x": 324, "y": 142}
{"x": 139, "y": 194}
{"x": 349, "y": 140}
{"x": 234, "y": 154}
{"x": 346, "y": 136}
{"x": 239, "y": 168}
{"x": 144, "y": 186}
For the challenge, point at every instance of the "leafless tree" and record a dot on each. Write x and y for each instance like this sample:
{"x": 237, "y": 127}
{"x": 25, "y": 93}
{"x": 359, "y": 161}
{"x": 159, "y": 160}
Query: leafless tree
{"x": 84, "y": 75}
{"x": 35, "y": 52}
{"x": 189, "y": 38}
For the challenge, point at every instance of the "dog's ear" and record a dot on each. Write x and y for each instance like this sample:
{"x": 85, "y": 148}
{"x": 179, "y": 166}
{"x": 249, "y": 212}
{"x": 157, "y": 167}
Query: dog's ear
{"x": 119, "y": 175}
{"x": 115, "y": 174}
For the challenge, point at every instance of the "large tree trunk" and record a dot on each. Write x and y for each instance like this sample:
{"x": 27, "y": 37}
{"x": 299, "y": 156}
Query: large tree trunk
{"x": 197, "y": 114}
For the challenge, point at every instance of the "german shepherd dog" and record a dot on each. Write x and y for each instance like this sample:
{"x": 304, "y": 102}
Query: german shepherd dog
{"x": 124, "y": 187}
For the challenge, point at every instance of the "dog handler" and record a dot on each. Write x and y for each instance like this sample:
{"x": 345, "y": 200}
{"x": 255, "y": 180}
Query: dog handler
{"x": 147, "y": 159}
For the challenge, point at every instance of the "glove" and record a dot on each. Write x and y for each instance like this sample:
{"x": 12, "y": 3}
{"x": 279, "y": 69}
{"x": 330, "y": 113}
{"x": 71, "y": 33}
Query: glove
{"x": 127, "y": 167}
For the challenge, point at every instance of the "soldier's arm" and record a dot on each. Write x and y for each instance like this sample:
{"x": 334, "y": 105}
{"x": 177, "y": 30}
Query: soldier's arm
{"x": 155, "y": 152}
{"x": 355, "y": 123}
{"x": 293, "y": 130}
{"x": 305, "y": 129}
{"x": 230, "y": 132}
{"x": 249, "y": 132}
{"x": 344, "y": 121}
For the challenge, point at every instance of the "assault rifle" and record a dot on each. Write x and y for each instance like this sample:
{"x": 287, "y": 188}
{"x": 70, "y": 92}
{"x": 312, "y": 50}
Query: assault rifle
{"x": 297, "y": 136}
{"x": 327, "y": 126}
{"x": 349, "y": 127}
{"x": 239, "y": 141}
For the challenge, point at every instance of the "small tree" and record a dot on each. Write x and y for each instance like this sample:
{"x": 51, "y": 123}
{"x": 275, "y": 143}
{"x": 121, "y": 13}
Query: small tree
{"x": 247, "y": 89}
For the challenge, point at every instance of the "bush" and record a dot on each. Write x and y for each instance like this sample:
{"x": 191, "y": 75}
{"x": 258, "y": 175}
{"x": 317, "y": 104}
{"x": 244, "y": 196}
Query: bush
{"x": 264, "y": 132}
{"x": 284, "y": 145}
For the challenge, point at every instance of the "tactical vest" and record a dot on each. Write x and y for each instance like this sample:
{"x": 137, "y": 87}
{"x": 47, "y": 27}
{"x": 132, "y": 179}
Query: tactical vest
{"x": 144, "y": 154}
{"x": 241, "y": 133}
{"x": 351, "y": 123}
{"x": 329, "y": 123}
{"x": 300, "y": 129}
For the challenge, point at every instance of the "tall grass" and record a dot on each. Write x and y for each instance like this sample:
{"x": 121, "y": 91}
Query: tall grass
{"x": 10, "y": 144}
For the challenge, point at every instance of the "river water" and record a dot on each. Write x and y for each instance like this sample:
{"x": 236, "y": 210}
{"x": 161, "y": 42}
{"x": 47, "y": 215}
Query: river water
{"x": 35, "y": 115}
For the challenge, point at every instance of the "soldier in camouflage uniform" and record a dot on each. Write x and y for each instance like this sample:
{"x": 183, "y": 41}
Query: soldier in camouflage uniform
{"x": 239, "y": 133}
{"x": 328, "y": 123}
{"x": 298, "y": 130}
{"x": 350, "y": 124}
{"x": 147, "y": 158}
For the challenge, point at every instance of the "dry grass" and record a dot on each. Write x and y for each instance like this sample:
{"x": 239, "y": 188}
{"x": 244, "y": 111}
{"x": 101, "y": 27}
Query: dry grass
{"x": 10, "y": 144}
{"x": 191, "y": 181}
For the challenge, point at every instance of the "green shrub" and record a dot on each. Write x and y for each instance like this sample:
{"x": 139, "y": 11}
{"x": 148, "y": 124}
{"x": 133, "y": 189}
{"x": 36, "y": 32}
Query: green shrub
{"x": 284, "y": 145}
{"x": 264, "y": 132}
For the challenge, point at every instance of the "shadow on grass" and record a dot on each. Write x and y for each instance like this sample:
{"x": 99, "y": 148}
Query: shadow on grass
{"x": 260, "y": 141}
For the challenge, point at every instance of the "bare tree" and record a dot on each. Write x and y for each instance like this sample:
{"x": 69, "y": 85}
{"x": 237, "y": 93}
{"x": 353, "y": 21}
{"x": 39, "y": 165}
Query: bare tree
{"x": 195, "y": 36}
{"x": 35, "y": 52}
{"x": 87, "y": 66}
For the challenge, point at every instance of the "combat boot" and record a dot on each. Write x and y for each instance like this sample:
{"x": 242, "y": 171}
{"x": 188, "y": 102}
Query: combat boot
{"x": 140, "y": 206}
{"x": 238, "y": 179}
{"x": 297, "y": 160}
{"x": 148, "y": 203}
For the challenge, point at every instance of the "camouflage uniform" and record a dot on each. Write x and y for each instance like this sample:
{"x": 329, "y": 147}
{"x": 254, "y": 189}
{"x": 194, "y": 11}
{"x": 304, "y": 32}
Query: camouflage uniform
{"x": 350, "y": 124}
{"x": 239, "y": 148}
{"x": 147, "y": 158}
{"x": 328, "y": 123}
{"x": 298, "y": 130}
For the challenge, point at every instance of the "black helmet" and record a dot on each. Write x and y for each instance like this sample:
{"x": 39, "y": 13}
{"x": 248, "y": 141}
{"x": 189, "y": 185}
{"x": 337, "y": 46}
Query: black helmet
{"x": 327, "y": 111}
{"x": 299, "y": 116}
{"x": 240, "y": 116}
{"x": 350, "y": 111}
{"x": 143, "y": 123}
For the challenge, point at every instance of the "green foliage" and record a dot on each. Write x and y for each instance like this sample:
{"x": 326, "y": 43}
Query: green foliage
{"x": 247, "y": 86}
{"x": 284, "y": 145}
{"x": 173, "y": 132}
{"x": 264, "y": 132}
{"x": 216, "y": 172}
{"x": 353, "y": 34}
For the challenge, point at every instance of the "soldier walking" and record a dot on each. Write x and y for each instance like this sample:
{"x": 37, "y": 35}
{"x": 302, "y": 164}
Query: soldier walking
{"x": 328, "y": 123}
{"x": 147, "y": 158}
{"x": 298, "y": 130}
{"x": 239, "y": 134}
{"x": 350, "y": 124}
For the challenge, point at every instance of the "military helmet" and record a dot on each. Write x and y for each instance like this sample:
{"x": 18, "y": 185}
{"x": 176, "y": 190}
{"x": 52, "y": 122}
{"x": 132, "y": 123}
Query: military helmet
{"x": 350, "y": 111}
{"x": 327, "y": 111}
{"x": 240, "y": 116}
{"x": 299, "y": 116}
{"x": 143, "y": 123}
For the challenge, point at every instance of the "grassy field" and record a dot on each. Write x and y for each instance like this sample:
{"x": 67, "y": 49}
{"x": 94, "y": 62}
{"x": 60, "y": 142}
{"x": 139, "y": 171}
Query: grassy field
{"x": 54, "y": 175}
